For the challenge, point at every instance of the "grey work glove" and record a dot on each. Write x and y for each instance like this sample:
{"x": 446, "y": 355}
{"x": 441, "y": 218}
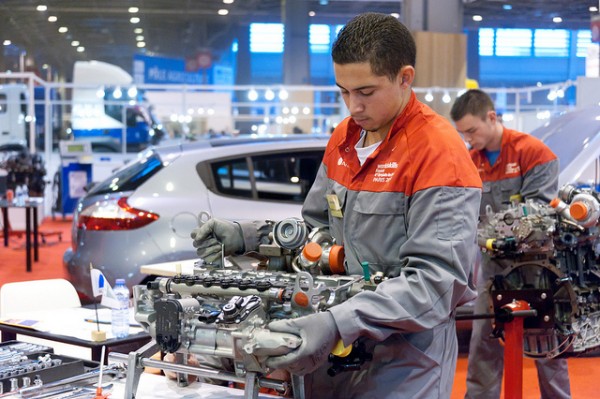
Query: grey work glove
{"x": 319, "y": 335}
{"x": 209, "y": 237}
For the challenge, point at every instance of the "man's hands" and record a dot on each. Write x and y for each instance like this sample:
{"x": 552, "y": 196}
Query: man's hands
{"x": 213, "y": 233}
{"x": 319, "y": 335}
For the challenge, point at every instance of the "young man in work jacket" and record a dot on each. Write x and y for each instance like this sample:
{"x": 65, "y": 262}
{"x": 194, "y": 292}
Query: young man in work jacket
{"x": 509, "y": 163}
{"x": 398, "y": 190}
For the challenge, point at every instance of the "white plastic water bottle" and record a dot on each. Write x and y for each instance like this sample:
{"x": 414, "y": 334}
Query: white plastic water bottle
{"x": 25, "y": 193}
{"x": 120, "y": 315}
{"x": 19, "y": 196}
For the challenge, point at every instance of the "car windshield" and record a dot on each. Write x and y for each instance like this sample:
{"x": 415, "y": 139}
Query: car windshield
{"x": 131, "y": 176}
{"x": 570, "y": 134}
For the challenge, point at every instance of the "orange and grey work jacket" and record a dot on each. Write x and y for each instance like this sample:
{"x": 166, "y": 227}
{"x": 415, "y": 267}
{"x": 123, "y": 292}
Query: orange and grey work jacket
{"x": 525, "y": 167}
{"x": 410, "y": 211}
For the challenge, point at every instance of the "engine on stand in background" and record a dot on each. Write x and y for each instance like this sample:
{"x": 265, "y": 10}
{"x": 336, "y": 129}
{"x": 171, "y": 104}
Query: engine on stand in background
{"x": 223, "y": 312}
{"x": 23, "y": 168}
{"x": 552, "y": 257}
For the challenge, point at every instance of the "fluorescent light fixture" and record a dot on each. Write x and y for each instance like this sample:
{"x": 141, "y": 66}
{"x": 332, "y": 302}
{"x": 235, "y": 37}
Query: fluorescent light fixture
{"x": 41, "y": 7}
{"x": 74, "y": 43}
{"x": 134, "y": 20}
{"x": 139, "y": 38}
{"x": 137, "y": 31}
{"x": 477, "y": 18}
{"x": 507, "y": 7}
{"x": 52, "y": 18}
{"x": 80, "y": 49}
{"x": 133, "y": 10}
{"x": 7, "y": 42}
{"x": 557, "y": 20}
{"x": 141, "y": 44}
{"x": 63, "y": 29}
{"x": 228, "y": 1}
{"x": 223, "y": 11}
{"x": 312, "y": 13}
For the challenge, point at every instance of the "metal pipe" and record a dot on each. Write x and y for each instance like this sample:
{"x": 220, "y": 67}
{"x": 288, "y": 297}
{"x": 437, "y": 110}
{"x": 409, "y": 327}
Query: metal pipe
{"x": 270, "y": 383}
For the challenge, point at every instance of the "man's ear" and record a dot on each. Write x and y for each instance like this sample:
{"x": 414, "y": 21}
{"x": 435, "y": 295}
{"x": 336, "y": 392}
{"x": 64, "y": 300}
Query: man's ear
{"x": 407, "y": 75}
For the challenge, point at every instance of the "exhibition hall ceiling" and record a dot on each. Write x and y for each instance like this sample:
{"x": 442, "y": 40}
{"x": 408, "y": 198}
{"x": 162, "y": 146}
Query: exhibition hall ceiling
{"x": 102, "y": 29}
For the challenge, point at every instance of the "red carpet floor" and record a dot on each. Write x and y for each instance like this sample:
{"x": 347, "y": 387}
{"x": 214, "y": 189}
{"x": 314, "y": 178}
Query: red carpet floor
{"x": 584, "y": 371}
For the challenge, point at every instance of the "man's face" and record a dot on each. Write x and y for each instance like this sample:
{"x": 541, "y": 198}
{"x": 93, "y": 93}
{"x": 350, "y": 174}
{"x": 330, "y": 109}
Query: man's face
{"x": 373, "y": 101}
{"x": 479, "y": 133}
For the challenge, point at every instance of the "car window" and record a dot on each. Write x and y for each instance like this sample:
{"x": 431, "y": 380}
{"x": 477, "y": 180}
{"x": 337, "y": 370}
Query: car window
{"x": 130, "y": 177}
{"x": 283, "y": 176}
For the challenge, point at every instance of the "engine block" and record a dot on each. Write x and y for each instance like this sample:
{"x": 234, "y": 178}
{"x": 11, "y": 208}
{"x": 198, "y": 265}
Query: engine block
{"x": 551, "y": 252}
{"x": 222, "y": 311}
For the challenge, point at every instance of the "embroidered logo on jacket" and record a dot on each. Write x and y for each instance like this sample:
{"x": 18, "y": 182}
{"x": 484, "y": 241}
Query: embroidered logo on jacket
{"x": 384, "y": 172}
{"x": 342, "y": 163}
{"x": 512, "y": 167}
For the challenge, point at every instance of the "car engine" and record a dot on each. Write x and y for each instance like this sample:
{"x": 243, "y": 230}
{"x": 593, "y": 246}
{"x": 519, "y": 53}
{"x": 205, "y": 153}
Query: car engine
{"x": 551, "y": 257}
{"x": 223, "y": 311}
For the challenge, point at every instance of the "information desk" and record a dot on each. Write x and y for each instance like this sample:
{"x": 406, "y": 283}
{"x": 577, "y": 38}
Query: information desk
{"x": 69, "y": 326}
{"x": 31, "y": 226}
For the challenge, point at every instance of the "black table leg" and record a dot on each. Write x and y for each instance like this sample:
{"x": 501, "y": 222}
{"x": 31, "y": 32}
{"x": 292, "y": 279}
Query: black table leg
{"x": 5, "y": 223}
{"x": 28, "y": 236}
{"x": 35, "y": 234}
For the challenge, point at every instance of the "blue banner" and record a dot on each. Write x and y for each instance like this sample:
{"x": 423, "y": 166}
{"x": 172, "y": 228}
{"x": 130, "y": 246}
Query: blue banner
{"x": 150, "y": 70}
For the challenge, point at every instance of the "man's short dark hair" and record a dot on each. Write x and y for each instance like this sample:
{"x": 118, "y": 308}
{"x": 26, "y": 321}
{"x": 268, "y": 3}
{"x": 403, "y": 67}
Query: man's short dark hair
{"x": 379, "y": 39}
{"x": 475, "y": 102}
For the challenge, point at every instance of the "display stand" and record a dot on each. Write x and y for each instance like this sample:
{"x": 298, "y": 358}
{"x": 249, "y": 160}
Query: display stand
{"x": 511, "y": 316}
{"x": 513, "y": 348}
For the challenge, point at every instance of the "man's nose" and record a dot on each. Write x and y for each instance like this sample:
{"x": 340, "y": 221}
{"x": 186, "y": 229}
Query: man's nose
{"x": 355, "y": 105}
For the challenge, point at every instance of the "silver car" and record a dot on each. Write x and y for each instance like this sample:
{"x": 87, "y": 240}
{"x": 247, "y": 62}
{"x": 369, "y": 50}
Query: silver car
{"x": 144, "y": 213}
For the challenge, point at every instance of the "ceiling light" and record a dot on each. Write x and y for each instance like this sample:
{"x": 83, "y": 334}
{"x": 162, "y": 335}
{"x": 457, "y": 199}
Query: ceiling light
{"x": 139, "y": 38}
{"x": 141, "y": 44}
{"x": 507, "y": 7}
{"x": 137, "y": 31}
{"x": 41, "y": 7}
{"x": 593, "y": 9}
{"x": 252, "y": 95}
{"x": 228, "y": 1}
{"x": 63, "y": 29}
{"x": 312, "y": 13}
{"x": 80, "y": 49}
{"x": 223, "y": 11}
{"x": 74, "y": 43}
{"x": 52, "y": 18}
{"x": 446, "y": 98}
{"x": 134, "y": 20}
{"x": 477, "y": 18}
{"x": 133, "y": 10}
{"x": 395, "y": 15}
{"x": 7, "y": 42}
{"x": 557, "y": 20}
